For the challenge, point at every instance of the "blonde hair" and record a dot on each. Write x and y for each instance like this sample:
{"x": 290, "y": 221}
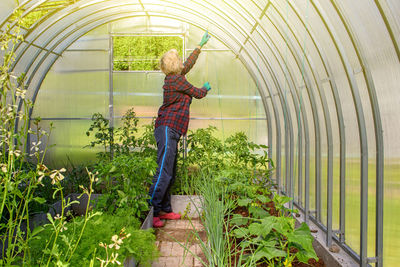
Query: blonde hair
{"x": 171, "y": 63}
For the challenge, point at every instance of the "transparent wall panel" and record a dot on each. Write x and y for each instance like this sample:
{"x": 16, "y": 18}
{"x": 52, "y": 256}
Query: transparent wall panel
{"x": 140, "y": 90}
{"x": 147, "y": 25}
{"x": 6, "y": 9}
{"x": 193, "y": 39}
{"x": 336, "y": 152}
{"x": 272, "y": 125}
{"x": 70, "y": 91}
{"x": 228, "y": 127}
{"x": 394, "y": 6}
{"x": 95, "y": 39}
{"x": 68, "y": 140}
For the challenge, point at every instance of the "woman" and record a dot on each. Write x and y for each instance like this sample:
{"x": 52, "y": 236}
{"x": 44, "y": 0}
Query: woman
{"x": 172, "y": 122}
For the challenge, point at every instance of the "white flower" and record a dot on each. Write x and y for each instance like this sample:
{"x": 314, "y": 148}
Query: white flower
{"x": 114, "y": 258}
{"x": 3, "y": 167}
{"x": 63, "y": 227}
{"x": 20, "y": 93}
{"x": 35, "y": 146}
{"x": 117, "y": 241}
{"x": 56, "y": 175}
{"x": 16, "y": 153}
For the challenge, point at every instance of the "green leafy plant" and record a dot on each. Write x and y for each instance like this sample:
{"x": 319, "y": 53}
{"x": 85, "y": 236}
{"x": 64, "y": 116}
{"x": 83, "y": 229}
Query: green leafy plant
{"x": 122, "y": 140}
{"x": 103, "y": 134}
{"x": 275, "y": 239}
{"x": 95, "y": 237}
{"x": 280, "y": 202}
{"x": 127, "y": 179}
{"x": 127, "y": 164}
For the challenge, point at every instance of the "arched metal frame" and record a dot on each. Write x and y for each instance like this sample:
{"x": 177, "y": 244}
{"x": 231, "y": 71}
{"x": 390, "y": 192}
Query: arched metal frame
{"x": 258, "y": 64}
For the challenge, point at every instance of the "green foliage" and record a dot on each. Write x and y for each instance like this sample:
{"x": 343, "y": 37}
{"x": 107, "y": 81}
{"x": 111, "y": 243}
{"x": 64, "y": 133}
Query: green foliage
{"x": 272, "y": 238}
{"x": 103, "y": 134}
{"x": 238, "y": 164}
{"x": 127, "y": 179}
{"x": 215, "y": 207}
{"x": 122, "y": 140}
{"x": 126, "y": 166}
{"x": 143, "y": 52}
{"x": 99, "y": 229}
{"x": 240, "y": 172}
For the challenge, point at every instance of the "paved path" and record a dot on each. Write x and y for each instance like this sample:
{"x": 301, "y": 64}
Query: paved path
{"x": 175, "y": 239}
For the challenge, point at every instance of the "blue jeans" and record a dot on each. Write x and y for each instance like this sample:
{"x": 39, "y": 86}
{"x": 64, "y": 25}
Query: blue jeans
{"x": 167, "y": 146}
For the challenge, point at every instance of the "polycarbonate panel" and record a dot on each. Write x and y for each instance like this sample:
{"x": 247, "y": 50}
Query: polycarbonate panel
{"x": 241, "y": 16}
{"x": 394, "y": 7}
{"x": 26, "y": 60}
{"x": 140, "y": 90}
{"x": 96, "y": 39}
{"x": 253, "y": 11}
{"x": 226, "y": 73}
{"x": 260, "y": 3}
{"x": 229, "y": 127}
{"x": 141, "y": 24}
{"x": 194, "y": 38}
{"x": 70, "y": 141}
{"x": 272, "y": 125}
{"x": 76, "y": 87}
{"x": 6, "y": 9}
{"x": 232, "y": 32}
{"x": 336, "y": 152}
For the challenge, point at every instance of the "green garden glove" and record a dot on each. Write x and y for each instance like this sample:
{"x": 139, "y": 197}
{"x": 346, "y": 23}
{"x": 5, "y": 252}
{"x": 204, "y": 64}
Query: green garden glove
{"x": 204, "y": 39}
{"x": 207, "y": 86}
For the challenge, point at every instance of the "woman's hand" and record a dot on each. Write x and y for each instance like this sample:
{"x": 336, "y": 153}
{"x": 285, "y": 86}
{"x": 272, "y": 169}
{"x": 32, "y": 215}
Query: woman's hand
{"x": 204, "y": 39}
{"x": 207, "y": 86}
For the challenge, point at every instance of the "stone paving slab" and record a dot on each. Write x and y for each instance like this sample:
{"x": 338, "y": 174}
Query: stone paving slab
{"x": 187, "y": 205}
{"x": 173, "y": 254}
{"x": 184, "y": 224}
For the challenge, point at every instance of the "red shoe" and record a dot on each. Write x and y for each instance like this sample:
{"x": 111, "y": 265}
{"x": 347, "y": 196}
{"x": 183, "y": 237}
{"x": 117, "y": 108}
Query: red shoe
{"x": 170, "y": 216}
{"x": 157, "y": 223}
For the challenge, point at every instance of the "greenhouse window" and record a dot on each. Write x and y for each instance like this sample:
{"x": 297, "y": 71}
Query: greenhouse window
{"x": 142, "y": 53}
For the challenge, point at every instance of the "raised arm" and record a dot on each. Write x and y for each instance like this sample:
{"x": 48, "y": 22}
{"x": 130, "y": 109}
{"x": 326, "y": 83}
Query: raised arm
{"x": 187, "y": 66}
{"x": 186, "y": 87}
{"x": 189, "y": 63}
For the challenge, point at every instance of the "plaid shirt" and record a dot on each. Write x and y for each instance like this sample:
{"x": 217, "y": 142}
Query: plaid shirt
{"x": 178, "y": 93}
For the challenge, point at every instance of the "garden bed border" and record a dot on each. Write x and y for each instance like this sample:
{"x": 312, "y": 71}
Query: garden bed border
{"x": 331, "y": 259}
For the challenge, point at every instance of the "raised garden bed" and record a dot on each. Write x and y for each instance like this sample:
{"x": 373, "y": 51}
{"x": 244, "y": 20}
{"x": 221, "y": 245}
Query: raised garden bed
{"x": 79, "y": 209}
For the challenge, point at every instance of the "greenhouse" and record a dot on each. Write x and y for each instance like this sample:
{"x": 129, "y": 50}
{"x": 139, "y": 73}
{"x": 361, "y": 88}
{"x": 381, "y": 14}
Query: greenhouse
{"x": 291, "y": 156}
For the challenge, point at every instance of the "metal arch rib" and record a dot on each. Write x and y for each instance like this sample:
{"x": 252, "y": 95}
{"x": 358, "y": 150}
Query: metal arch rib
{"x": 339, "y": 115}
{"x": 378, "y": 134}
{"x": 361, "y": 128}
{"x": 287, "y": 118}
{"x": 328, "y": 129}
{"x": 289, "y": 78}
{"x": 312, "y": 101}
